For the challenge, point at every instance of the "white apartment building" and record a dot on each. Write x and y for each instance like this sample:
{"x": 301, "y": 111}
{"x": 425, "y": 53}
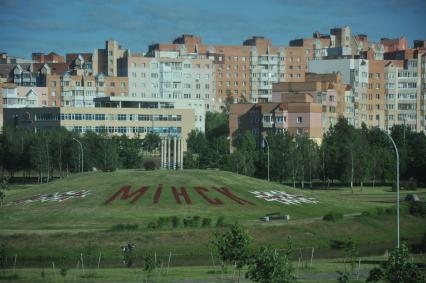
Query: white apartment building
{"x": 355, "y": 73}
{"x": 404, "y": 99}
{"x": 188, "y": 83}
{"x": 265, "y": 69}
{"x": 20, "y": 97}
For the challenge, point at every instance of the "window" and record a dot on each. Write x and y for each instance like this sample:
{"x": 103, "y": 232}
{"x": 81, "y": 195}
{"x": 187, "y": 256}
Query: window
{"x": 154, "y": 75}
{"x": 122, "y": 117}
{"x": 53, "y": 83}
{"x": 122, "y": 85}
{"x": 299, "y": 120}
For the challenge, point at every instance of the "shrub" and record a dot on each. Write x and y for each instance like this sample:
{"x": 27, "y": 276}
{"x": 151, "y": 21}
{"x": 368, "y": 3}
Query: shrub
{"x": 122, "y": 227}
{"x": 196, "y": 221}
{"x": 149, "y": 165}
{"x": 175, "y": 222}
{"x": 380, "y": 210}
{"x": 417, "y": 208}
{"x": 206, "y": 222}
{"x": 163, "y": 221}
{"x": 220, "y": 222}
{"x": 333, "y": 216}
{"x": 152, "y": 225}
{"x": 188, "y": 222}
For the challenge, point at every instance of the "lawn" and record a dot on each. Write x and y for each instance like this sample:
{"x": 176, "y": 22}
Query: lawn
{"x": 40, "y": 232}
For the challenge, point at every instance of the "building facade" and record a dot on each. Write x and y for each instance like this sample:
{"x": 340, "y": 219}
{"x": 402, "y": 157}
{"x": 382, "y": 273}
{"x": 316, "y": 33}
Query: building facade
{"x": 244, "y": 72}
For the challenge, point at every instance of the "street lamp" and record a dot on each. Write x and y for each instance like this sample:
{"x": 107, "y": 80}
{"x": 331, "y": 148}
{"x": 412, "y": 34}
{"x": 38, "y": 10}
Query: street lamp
{"x": 81, "y": 150}
{"x": 397, "y": 183}
{"x": 263, "y": 145}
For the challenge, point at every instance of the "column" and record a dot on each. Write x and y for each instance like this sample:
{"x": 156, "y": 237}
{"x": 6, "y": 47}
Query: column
{"x": 178, "y": 154}
{"x": 169, "y": 147}
{"x": 174, "y": 153}
{"x": 161, "y": 148}
{"x": 181, "y": 153}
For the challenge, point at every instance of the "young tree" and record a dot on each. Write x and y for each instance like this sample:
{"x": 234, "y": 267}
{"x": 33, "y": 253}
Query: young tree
{"x": 269, "y": 266}
{"x": 246, "y": 154}
{"x": 398, "y": 269}
{"x": 232, "y": 247}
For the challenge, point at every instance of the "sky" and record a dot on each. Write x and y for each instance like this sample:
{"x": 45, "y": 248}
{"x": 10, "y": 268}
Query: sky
{"x": 83, "y": 25}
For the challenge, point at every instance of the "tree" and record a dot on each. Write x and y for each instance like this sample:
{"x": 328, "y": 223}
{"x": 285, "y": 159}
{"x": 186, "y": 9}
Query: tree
{"x": 232, "y": 247}
{"x": 151, "y": 141}
{"x": 269, "y": 266}
{"x": 148, "y": 265}
{"x": 246, "y": 154}
{"x": 398, "y": 269}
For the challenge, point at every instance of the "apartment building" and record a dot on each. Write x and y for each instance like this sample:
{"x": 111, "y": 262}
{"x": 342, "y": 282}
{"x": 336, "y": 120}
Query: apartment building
{"x": 354, "y": 73}
{"x": 394, "y": 44}
{"x": 113, "y": 120}
{"x": 186, "y": 81}
{"x": 243, "y": 72}
{"x": 52, "y": 57}
{"x": 8, "y": 59}
{"x": 327, "y": 90}
{"x": 300, "y": 115}
{"x": 404, "y": 101}
{"x": 105, "y": 60}
{"x": 18, "y": 96}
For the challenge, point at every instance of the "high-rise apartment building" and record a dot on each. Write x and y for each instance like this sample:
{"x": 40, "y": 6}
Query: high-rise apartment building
{"x": 105, "y": 60}
{"x": 354, "y": 73}
{"x": 243, "y": 72}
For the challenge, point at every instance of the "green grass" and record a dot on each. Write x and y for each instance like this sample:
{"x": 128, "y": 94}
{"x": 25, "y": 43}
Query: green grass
{"x": 91, "y": 213}
{"x": 320, "y": 268}
{"x": 51, "y": 230}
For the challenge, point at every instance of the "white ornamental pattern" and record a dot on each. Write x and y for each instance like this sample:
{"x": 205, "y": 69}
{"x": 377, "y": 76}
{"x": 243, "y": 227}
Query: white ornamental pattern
{"x": 283, "y": 197}
{"x": 56, "y": 197}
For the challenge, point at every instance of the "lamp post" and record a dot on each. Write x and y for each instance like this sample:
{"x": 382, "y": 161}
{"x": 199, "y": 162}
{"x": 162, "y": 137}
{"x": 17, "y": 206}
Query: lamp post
{"x": 266, "y": 141}
{"x": 81, "y": 150}
{"x": 397, "y": 184}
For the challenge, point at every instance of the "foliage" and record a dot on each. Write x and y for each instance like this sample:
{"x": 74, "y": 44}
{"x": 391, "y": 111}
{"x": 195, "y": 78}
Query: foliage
{"x": 232, "y": 246}
{"x": 148, "y": 265}
{"x": 270, "y": 266}
{"x": 398, "y": 269}
{"x": 149, "y": 165}
{"x": 333, "y": 216}
{"x": 151, "y": 141}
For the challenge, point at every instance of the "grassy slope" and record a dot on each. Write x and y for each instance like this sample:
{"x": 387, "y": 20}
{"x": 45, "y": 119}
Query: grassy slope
{"x": 55, "y": 229}
{"x": 92, "y": 213}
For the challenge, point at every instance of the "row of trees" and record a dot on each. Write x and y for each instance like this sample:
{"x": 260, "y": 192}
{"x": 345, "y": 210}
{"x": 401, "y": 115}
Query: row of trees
{"x": 57, "y": 152}
{"x": 346, "y": 154}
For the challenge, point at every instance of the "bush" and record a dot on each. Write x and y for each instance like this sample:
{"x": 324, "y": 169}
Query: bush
{"x": 417, "y": 208}
{"x": 196, "y": 221}
{"x": 122, "y": 227}
{"x": 206, "y": 222}
{"x": 333, "y": 216}
{"x": 152, "y": 225}
{"x": 149, "y": 165}
{"x": 380, "y": 210}
{"x": 220, "y": 222}
{"x": 175, "y": 222}
{"x": 188, "y": 222}
{"x": 163, "y": 221}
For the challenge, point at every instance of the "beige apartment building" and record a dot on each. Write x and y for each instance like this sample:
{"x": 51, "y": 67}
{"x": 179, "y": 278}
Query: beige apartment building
{"x": 167, "y": 122}
{"x": 105, "y": 60}
{"x": 327, "y": 90}
{"x": 298, "y": 115}
{"x": 243, "y": 72}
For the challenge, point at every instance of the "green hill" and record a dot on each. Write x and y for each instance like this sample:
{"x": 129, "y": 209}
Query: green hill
{"x": 208, "y": 194}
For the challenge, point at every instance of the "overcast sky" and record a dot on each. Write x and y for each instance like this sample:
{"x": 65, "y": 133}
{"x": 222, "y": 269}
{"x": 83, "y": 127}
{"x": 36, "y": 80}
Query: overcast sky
{"x": 82, "y": 25}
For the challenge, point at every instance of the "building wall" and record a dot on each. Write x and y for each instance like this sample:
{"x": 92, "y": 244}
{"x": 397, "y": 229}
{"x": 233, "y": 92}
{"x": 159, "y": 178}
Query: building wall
{"x": 245, "y": 72}
{"x": 117, "y": 121}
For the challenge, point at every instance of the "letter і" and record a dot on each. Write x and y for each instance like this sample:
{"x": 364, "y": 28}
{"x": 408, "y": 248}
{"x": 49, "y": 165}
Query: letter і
{"x": 183, "y": 193}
